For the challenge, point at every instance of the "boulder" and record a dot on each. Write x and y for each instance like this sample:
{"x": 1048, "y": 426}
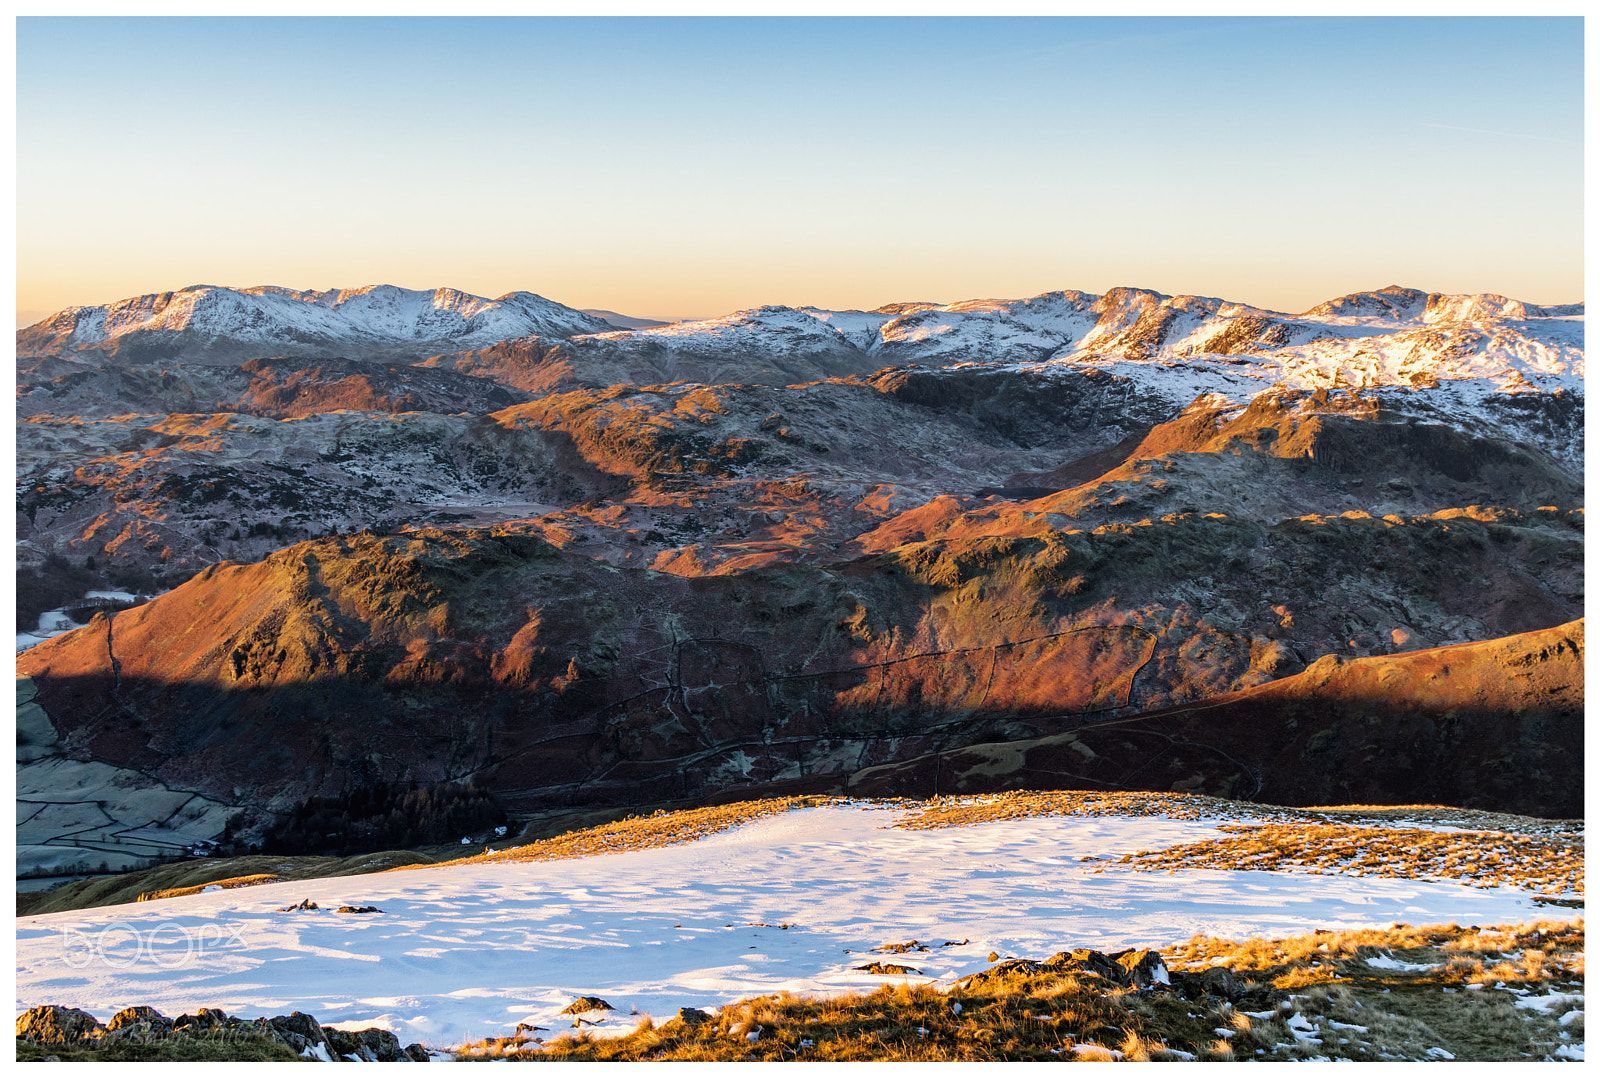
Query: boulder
{"x": 367, "y": 1044}
{"x": 1219, "y": 981}
{"x": 1142, "y": 968}
{"x": 204, "y": 1021}
{"x": 382, "y": 1044}
{"x": 58, "y": 1025}
{"x": 299, "y": 1031}
{"x": 139, "y": 1019}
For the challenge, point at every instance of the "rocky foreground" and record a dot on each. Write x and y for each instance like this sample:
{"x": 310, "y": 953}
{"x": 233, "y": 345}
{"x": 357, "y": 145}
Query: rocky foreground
{"x": 140, "y": 1032}
{"x": 1418, "y": 994}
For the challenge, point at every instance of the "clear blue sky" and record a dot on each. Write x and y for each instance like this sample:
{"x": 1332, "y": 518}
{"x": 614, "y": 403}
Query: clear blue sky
{"x": 674, "y": 167}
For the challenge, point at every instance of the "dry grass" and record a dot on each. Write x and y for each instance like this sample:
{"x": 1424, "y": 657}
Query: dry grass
{"x": 192, "y": 1048}
{"x": 996, "y": 807}
{"x": 1047, "y": 1017}
{"x": 1415, "y": 991}
{"x": 1551, "y": 866}
{"x": 1417, "y": 1002}
{"x": 189, "y": 876}
{"x": 646, "y": 832}
{"x": 1438, "y": 815}
{"x": 1326, "y": 957}
{"x": 1541, "y": 855}
{"x": 220, "y": 884}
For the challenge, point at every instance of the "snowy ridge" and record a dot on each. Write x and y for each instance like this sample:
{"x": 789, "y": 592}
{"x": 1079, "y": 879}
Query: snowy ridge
{"x": 268, "y": 317}
{"x": 1391, "y": 337}
{"x": 1175, "y": 347}
{"x": 771, "y": 328}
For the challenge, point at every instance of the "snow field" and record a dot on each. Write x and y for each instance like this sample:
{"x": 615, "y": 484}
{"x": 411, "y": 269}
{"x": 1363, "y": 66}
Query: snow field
{"x": 466, "y": 952}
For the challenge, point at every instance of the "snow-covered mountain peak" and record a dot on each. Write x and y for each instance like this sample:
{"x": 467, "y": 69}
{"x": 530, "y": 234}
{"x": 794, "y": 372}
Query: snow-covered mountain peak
{"x": 1398, "y": 304}
{"x": 208, "y": 322}
{"x": 1394, "y": 303}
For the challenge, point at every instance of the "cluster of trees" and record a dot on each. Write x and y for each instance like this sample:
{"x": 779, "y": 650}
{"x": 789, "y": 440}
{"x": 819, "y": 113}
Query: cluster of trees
{"x": 393, "y": 815}
{"x": 58, "y": 583}
{"x": 52, "y": 585}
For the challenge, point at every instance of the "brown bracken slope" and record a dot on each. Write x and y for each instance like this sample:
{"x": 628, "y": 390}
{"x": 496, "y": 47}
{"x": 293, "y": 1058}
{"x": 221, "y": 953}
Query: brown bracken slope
{"x": 1478, "y": 724}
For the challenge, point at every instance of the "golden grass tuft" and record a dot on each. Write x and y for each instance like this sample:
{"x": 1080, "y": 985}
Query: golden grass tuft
{"x": 1021, "y": 804}
{"x": 939, "y": 812}
{"x": 222, "y": 884}
{"x": 1546, "y": 865}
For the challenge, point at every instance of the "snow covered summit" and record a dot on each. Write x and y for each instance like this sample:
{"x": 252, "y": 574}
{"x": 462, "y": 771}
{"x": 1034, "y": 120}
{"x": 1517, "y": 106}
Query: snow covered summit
{"x": 208, "y": 324}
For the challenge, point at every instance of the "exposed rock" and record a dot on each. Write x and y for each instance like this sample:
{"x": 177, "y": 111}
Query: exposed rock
{"x": 204, "y": 1021}
{"x": 1142, "y": 970}
{"x": 139, "y": 1019}
{"x": 1141, "y": 967}
{"x": 585, "y": 1003}
{"x": 277, "y": 388}
{"x": 300, "y": 1031}
{"x": 58, "y": 1025}
{"x": 367, "y": 1045}
{"x": 884, "y": 968}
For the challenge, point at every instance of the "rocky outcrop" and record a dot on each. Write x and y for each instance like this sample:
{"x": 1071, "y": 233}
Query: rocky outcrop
{"x": 732, "y": 476}
{"x": 699, "y": 480}
{"x": 59, "y": 1026}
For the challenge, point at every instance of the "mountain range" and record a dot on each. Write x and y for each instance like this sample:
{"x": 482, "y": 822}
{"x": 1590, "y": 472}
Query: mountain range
{"x": 430, "y": 537}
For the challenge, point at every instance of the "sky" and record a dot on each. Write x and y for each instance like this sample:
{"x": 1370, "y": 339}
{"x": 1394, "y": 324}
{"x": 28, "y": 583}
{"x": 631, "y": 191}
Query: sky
{"x": 674, "y": 168}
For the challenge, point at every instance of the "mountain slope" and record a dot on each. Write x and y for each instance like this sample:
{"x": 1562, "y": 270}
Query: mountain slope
{"x": 556, "y": 679}
{"x": 1498, "y": 722}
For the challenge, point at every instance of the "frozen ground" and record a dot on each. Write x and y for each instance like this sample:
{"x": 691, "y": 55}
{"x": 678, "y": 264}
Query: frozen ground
{"x": 464, "y": 952}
